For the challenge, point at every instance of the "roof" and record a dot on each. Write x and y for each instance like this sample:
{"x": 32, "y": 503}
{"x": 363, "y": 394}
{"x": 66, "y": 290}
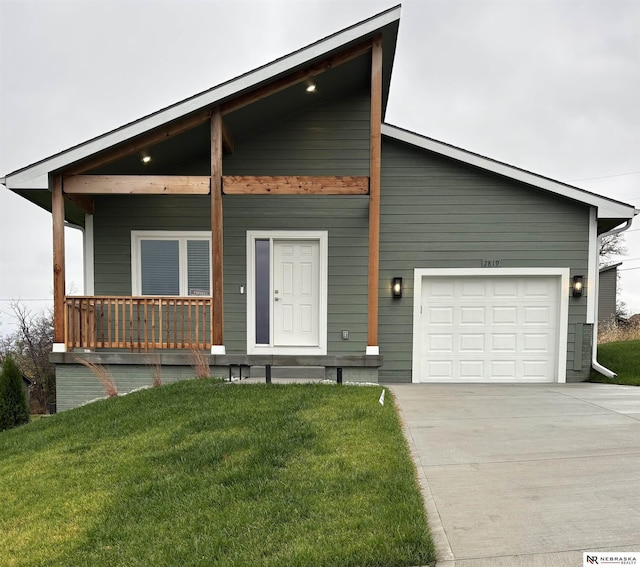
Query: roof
{"x": 35, "y": 176}
{"x": 607, "y": 208}
{"x": 610, "y": 267}
{"x": 33, "y": 181}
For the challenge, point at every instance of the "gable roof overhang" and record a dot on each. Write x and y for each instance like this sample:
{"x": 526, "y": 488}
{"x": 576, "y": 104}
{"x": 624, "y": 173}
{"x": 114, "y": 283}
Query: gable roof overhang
{"x": 33, "y": 180}
{"x": 610, "y": 213}
{"x": 610, "y": 267}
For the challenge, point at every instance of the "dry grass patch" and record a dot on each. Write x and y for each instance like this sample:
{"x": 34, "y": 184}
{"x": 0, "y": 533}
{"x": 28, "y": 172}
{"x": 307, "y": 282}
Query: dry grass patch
{"x": 613, "y": 332}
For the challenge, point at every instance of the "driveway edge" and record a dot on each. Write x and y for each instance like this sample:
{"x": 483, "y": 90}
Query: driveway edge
{"x": 434, "y": 522}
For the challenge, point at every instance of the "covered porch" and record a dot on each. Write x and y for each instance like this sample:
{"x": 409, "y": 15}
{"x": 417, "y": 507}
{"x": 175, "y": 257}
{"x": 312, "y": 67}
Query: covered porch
{"x": 146, "y": 323}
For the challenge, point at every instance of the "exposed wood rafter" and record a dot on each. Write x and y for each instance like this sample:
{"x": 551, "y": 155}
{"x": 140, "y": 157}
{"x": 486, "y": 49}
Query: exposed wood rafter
{"x": 227, "y": 139}
{"x": 294, "y": 185}
{"x": 296, "y": 77}
{"x": 158, "y": 135}
{"x": 141, "y": 143}
{"x": 82, "y": 201}
{"x": 136, "y": 184}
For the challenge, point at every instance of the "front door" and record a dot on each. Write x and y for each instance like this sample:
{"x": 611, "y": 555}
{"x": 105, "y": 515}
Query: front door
{"x": 287, "y": 299}
{"x": 296, "y": 293}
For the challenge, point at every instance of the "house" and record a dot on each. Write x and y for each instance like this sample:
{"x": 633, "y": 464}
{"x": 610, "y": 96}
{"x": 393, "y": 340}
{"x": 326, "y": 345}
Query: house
{"x": 608, "y": 294}
{"x": 276, "y": 220}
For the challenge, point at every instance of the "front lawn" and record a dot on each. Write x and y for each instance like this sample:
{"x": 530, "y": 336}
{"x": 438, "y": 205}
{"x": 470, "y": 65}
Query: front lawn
{"x": 201, "y": 474}
{"x": 623, "y": 358}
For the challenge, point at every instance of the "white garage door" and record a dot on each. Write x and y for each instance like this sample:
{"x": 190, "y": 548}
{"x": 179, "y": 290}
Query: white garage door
{"x": 488, "y": 329}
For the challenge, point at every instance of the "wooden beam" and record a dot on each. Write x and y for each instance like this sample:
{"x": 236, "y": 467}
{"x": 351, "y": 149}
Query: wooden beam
{"x": 136, "y": 185}
{"x": 296, "y": 77}
{"x": 294, "y": 185}
{"x": 227, "y": 139}
{"x": 217, "y": 331}
{"x": 57, "y": 212}
{"x": 374, "y": 190}
{"x": 85, "y": 203}
{"x": 141, "y": 142}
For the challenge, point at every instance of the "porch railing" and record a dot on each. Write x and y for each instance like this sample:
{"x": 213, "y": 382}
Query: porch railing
{"x": 138, "y": 323}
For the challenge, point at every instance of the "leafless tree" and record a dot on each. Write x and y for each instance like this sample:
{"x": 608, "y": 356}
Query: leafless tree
{"x": 30, "y": 346}
{"x": 611, "y": 246}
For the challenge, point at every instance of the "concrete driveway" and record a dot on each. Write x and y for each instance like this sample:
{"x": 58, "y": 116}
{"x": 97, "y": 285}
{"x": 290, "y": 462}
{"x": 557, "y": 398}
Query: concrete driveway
{"x": 533, "y": 475}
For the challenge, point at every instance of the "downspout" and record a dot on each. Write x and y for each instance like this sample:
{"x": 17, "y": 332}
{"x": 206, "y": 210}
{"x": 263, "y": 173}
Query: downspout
{"x": 594, "y": 342}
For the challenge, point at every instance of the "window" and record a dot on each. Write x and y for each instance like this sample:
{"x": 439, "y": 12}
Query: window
{"x": 171, "y": 263}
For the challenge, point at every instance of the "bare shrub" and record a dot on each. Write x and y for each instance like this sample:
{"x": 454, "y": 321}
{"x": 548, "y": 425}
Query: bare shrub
{"x": 108, "y": 383}
{"x": 200, "y": 363}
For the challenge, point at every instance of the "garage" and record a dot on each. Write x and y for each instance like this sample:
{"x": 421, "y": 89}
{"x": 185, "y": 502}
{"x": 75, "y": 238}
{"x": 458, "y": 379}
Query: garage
{"x": 489, "y": 325}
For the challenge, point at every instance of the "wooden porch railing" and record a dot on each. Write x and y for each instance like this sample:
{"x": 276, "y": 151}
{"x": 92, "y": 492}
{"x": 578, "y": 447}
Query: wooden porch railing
{"x": 138, "y": 323}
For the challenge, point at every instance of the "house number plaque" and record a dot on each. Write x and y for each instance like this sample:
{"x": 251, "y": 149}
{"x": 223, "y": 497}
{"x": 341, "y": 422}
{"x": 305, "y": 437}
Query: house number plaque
{"x": 490, "y": 263}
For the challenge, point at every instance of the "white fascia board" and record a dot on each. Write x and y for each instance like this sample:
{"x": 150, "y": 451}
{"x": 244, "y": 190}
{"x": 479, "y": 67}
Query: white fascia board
{"x": 32, "y": 177}
{"x": 607, "y": 208}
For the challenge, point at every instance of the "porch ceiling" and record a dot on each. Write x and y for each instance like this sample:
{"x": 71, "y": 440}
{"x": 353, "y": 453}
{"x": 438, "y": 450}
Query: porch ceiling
{"x": 189, "y": 153}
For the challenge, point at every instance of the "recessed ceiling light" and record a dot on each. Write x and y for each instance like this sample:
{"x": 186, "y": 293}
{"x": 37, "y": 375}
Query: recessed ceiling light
{"x": 311, "y": 88}
{"x": 146, "y": 159}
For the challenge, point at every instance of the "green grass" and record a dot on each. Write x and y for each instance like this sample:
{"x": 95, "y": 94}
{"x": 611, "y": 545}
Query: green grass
{"x": 623, "y": 358}
{"x": 200, "y": 474}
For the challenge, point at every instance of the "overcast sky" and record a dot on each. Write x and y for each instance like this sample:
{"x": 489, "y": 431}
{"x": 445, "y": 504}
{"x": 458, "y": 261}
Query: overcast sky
{"x": 552, "y": 86}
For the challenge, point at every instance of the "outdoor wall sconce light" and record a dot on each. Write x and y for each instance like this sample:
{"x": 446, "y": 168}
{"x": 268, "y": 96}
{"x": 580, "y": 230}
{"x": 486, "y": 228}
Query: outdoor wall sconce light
{"x": 396, "y": 288}
{"x": 577, "y": 286}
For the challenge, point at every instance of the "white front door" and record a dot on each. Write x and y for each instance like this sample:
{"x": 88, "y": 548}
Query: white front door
{"x": 296, "y": 293}
{"x": 287, "y": 292}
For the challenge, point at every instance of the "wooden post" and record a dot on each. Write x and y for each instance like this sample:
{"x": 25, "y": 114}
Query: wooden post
{"x": 217, "y": 330}
{"x": 374, "y": 194}
{"x": 57, "y": 212}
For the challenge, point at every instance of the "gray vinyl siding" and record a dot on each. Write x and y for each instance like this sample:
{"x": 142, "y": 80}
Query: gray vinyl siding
{"x": 437, "y": 213}
{"x": 114, "y": 219}
{"x": 607, "y": 296}
{"x": 332, "y": 139}
{"x": 345, "y": 219}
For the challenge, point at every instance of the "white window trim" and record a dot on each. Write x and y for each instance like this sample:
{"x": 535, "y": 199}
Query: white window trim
{"x": 563, "y": 324}
{"x": 137, "y": 236}
{"x": 322, "y": 237}
{"x": 89, "y": 269}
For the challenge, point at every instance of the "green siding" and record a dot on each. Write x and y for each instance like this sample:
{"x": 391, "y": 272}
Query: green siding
{"x": 332, "y": 139}
{"x": 345, "y": 219}
{"x": 437, "y": 213}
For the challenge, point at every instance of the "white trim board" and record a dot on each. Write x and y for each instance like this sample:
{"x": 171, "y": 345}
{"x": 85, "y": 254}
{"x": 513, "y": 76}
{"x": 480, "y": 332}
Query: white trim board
{"x": 321, "y": 236}
{"x": 563, "y": 324}
{"x": 89, "y": 269}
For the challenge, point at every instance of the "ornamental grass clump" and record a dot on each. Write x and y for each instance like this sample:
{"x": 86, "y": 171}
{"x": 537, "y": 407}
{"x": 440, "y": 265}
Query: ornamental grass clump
{"x": 200, "y": 363}
{"x": 14, "y": 410}
{"x": 100, "y": 372}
